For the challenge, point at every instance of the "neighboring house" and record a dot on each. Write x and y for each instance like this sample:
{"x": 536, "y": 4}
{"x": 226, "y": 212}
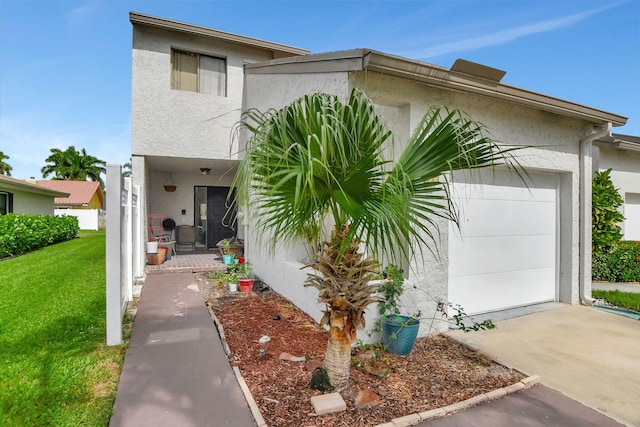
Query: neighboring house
{"x": 85, "y": 201}
{"x": 18, "y": 196}
{"x": 82, "y": 194}
{"x": 519, "y": 245}
{"x": 621, "y": 153}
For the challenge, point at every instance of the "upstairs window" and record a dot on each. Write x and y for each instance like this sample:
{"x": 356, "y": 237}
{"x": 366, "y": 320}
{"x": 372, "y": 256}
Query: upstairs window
{"x": 198, "y": 73}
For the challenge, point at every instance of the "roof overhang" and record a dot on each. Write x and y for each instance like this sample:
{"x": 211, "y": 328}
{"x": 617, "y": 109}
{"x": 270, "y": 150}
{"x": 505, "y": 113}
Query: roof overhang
{"x": 432, "y": 75}
{"x": 12, "y": 184}
{"x": 280, "y": 50}
{"x": 620, "y": 142}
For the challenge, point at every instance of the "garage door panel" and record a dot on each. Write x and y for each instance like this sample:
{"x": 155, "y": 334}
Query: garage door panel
{"x": 523, "y": 287}
{"x": 504, "y": 218}
{"x": 500, "y": 254}
{"x": 505, "y": 252}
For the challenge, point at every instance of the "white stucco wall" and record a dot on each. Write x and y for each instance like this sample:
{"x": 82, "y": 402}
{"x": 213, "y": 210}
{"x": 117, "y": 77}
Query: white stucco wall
{"x": 30, "y": 203}
{"x": 552, "y": 143}
{"x": 625, "y": 173}
{"x": 176, "y": 123}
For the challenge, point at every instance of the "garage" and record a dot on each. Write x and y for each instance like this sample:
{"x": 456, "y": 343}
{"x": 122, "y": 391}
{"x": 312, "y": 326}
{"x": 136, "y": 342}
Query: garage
{"x": 505, "y": 253}
{"x": 632, "y": 216}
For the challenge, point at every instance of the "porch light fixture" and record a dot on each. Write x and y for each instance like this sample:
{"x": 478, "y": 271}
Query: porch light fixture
{"x": 205, "y": 171}
{"x": 169, "y": 186}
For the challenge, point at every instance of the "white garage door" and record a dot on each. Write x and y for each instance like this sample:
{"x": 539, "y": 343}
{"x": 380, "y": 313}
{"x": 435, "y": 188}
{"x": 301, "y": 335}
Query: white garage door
{"x": 505, "y": 252}
{"x": 632, "y": 216}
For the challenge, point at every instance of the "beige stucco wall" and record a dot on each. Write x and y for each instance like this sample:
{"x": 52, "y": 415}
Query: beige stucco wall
{"x": 30, "y": 203}
{"x": 175, "y": 123}
{"x": 552, "y": 146}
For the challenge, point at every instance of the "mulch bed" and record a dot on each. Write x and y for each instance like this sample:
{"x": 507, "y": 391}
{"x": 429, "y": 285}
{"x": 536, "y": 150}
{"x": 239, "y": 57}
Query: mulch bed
{"x": 438, "y": 371}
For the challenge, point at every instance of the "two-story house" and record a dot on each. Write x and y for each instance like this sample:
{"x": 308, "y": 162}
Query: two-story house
{"x": 520, "y": 244}
{"x": 188, "y": 92}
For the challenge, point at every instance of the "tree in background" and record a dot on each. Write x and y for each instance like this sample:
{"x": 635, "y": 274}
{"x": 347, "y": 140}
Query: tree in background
{"x": 74, "y": 165}
{"x": 126, "y": 169}
{"x": 5, "y": 168}
{"x": 320, "y": 159}
{"x": 605, "y": 216}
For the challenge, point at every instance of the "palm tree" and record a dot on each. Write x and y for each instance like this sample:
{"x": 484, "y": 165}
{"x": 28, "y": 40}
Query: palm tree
{"x": 5, "y": 168}
{"x": 320, "y": 158}
{"x": 73, "y": 165}
{"x": 126, "y": 169}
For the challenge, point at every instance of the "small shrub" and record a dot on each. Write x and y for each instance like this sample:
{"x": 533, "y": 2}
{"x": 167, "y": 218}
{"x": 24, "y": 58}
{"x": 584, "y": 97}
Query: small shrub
{"x": 20, "y": 233}
{"x": 621, "y": 263}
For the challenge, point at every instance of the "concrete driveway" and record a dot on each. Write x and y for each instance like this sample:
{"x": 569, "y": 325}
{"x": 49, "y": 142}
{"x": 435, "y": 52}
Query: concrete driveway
{"x": 586, "y": 354}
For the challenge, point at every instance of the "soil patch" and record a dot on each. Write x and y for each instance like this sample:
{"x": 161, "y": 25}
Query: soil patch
{"x": 438, "y": 372}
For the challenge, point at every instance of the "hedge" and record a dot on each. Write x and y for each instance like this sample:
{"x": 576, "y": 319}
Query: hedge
{"x": 20, "y": 233}
{"x": 619, "y": 264}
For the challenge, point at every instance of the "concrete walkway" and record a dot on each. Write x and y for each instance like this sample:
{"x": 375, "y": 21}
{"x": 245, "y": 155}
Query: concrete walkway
{"x": 624, "y": 287}
{"x": 586, "y": 354}
{"x": 537, "y": 407}
{"x": 176, "y": 372}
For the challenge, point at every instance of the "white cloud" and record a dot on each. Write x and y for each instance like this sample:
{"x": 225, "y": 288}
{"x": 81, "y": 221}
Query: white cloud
{"x": 505, "y": 36}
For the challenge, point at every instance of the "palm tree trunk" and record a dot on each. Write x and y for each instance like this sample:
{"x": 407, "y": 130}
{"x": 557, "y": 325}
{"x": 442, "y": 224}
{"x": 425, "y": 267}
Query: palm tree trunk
{"x": 337, "y": 359}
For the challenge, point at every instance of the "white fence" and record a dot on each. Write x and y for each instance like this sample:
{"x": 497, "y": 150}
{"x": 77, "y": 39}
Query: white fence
{"x": 123, "y": 246}
{"x": 88, "y": 219}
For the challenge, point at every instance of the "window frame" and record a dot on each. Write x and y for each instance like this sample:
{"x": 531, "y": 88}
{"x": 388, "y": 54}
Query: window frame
{"x": 197, "y": 55}
{"x": 8, "y": 202}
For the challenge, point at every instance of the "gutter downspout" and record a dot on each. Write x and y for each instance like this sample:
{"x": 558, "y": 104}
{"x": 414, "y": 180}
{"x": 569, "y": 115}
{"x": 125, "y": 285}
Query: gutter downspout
{"x": 586, "y": 178}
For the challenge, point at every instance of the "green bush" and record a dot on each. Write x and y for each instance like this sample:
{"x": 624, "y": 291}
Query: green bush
{"x": 619, "y": 264}
{"x": 20, "y": 233}
{"x": 605, "y": 217}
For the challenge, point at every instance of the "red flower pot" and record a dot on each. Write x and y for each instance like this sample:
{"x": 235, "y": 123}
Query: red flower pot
{"x": 246, "y": 285}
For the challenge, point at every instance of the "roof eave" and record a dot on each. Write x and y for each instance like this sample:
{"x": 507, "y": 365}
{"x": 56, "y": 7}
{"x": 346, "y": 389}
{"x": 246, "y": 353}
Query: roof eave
{"x": 441, "y": 77}
{"x": 432, "y": 75}
{"x": 31, "y": 188}
{"x": 141, "y": 19}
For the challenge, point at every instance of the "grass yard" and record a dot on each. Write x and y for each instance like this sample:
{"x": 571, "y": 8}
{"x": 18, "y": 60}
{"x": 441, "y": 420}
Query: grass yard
{"x": 621, "y": 299}
{"x": 55, "y": 368}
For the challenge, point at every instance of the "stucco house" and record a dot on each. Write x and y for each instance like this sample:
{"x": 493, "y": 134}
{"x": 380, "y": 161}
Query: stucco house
{"x": 18, "y": 196}
{"x": 621, "y": 153}
{"x": 519, "y": 244}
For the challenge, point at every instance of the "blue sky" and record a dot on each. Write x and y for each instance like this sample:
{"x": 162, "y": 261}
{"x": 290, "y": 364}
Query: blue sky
{"x": 65, "y": 65}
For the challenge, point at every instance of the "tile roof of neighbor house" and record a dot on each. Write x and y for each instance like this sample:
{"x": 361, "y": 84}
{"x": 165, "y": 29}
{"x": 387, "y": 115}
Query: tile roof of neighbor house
{"x": 79, "y": 192}
{"x": 9, "y": 183}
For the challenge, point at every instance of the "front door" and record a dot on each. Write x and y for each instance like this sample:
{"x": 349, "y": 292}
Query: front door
{"x": 214, "y": 223}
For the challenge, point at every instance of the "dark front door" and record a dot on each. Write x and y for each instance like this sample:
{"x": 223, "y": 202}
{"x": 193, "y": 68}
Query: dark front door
{"x": 218, "y": 222}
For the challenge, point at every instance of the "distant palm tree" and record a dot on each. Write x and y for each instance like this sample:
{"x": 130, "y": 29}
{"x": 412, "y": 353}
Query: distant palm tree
{"x": 126, "y": 169}
{"x": 74, "y": 165}
{"x": 5, "y": 168}
{"x": 320, "y": 159}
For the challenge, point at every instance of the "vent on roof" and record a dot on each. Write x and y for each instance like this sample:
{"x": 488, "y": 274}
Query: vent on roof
{"x": 478, "y": 70}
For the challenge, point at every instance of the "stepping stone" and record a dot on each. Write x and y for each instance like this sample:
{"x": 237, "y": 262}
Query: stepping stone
{"x": 328, "y": 403}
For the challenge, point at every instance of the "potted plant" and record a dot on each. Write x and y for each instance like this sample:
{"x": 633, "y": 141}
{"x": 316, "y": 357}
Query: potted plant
{"x": 230, "y": 246}
{"x": 233, "y": 280}
{"x": 245, "y": 277}
{"x": 399, "y": 332}
{"x": 227, "y": 256}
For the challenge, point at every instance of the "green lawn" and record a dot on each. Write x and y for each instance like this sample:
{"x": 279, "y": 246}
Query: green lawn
{"x": 55, "y": 368}
{"x": 620, "y": 299}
